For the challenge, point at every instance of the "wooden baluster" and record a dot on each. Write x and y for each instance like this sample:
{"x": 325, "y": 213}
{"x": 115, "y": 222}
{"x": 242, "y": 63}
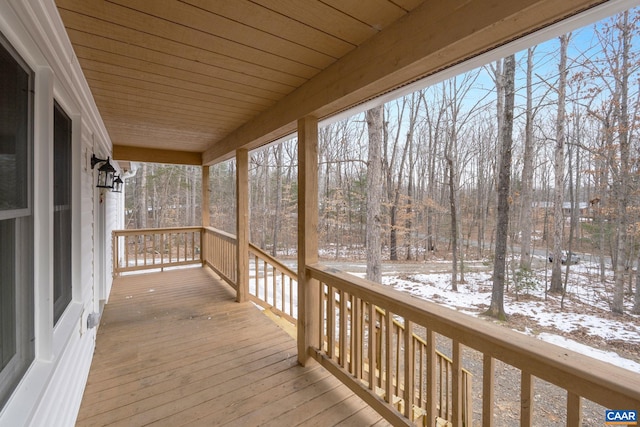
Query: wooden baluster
{"x": 114, "y": 253}
{"x": 379, "y": 361}
{"x": 372, "y": 347}
{"x": 282, "y": 293}
{"x": 431, "y": 377}
{"x": 398, "y": 352}
{"x": 331, "y": 312}
{"x": 457, "y": 384}
{"x": 421, "y": 374}
{"x": 442, "y": 404}
{"x": 126, "y": 251}
{"x": 467, "y": 397}
{"x": 352, "y": 322}
{"x": 256, "y": 275}
{"x": 409, "y": 369}
{"x": 526, "y": 399}
{"x": 266, "y": 281}
{"x": 488, "y": 374}
{"x": 447, "y": 389}
{"x": 357, "y": 340}
{"x": 136, "y": 243}
{"x": 148, "y": 248}
{"x": 323, "y": 315}
{"x": 193, "y": 246}
{"x": 291, "y": 297}
{"x": 275, "y": 287}
{"x": 388, "y": 325}
{"x": 162, "y": 249}
{"x": 343, "y": 328}
{"x": 574, "y": 410}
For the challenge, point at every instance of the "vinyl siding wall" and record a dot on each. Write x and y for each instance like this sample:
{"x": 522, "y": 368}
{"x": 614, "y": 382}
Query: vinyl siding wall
{"x": 50, "y": 393}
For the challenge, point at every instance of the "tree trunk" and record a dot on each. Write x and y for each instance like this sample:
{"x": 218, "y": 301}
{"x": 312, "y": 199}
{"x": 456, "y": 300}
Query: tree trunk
{"x": 496, "y": 309}
{"x": 143, "y": 211}
{"x": 622, "y": 181}
{"x": 278, "y": 208}
{"x": 453, "y": 205}
{"x": 558, "y": 191}
{"x": 374, "y": 194}
{"x": 409, "y": 211}
{"x": 393, "y": 232}
{"x": 527, "y": 173}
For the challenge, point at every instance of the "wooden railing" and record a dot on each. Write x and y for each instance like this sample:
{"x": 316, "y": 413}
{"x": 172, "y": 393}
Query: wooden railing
{"x": 219, "y": 253}
{"x": 444, "y": 368}
{"x": 274, "y": 285}
{"x": 382, "y": 343}
{"x": 356, "y": 334}
{"x": 352, "y": 330}
{"x": 156, "y": 248}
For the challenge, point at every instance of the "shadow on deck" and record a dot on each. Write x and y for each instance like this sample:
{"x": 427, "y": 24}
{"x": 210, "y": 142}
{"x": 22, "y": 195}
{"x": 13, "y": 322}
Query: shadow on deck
{"x": 174, "y": 348}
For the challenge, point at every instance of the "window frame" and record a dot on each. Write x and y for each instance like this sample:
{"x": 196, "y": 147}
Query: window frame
{"x": 23, "y": 252}
{"x": 62, "y": 213}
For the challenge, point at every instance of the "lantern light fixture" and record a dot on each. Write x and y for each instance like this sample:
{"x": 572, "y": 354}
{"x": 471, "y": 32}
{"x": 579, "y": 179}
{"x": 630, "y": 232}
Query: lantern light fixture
{"x": 117, "y": 184}
{"x": 106, "y": 172}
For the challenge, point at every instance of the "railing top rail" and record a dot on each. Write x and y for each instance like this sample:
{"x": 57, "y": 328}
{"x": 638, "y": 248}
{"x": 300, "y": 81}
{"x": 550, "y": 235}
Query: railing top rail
{"x": 289, "y": 272}
{"x": 155, "y": 230}
{"x": 595, "y": 380}
{"x": 229, "y": 236}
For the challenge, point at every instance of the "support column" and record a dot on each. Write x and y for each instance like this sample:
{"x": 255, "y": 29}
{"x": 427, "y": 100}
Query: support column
{"x": 308, "y": 290}
{"x": 206, "y": 214}
{"x": 242, "y": 224}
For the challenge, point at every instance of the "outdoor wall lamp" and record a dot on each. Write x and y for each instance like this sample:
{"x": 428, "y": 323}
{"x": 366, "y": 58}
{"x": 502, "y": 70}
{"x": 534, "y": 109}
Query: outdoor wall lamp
{"x": 106, "y": 172}
{"x": 117, "y": 184}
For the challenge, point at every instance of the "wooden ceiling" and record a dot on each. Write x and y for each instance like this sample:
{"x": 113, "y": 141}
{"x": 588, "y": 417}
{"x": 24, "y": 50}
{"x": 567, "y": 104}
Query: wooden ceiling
{"x": 209, "y": 76}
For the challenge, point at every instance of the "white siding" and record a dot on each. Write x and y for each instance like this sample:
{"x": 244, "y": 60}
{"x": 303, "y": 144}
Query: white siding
{"x": 51, "y": 391}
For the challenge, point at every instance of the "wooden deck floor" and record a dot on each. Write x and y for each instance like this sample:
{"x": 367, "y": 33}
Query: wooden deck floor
{"x": 174, "y": 349}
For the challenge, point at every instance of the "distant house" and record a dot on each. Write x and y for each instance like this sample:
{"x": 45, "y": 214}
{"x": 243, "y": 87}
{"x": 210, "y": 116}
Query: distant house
{"x": 584, "y": 210}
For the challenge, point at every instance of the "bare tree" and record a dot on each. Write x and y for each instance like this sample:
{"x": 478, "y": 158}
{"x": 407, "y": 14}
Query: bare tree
{"x": 622, "y": 184}
{"x": 277, "y": 218}
{"x": 496, "y": 309}
{"x": 527, "y": 171}
{"x": 558, "y": 191}
{"x": 393, "y": 176}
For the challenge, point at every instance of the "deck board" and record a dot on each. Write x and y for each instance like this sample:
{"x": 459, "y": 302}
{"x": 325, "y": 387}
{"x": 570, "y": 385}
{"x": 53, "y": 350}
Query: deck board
{"x": 174, "y": 348}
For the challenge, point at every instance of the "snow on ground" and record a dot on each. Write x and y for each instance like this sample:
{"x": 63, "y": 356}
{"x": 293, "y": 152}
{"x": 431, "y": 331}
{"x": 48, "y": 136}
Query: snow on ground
{"x": 586, "y": 309}
{"x": 605, "y": 356}
{"x": 586, "y": 313}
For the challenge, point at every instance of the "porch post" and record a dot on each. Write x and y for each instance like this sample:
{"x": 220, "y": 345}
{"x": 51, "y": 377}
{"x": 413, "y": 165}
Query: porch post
{"x": 308, "y": 291}
{"x": 242, "y": 223}
{"x": 206, "y": 215}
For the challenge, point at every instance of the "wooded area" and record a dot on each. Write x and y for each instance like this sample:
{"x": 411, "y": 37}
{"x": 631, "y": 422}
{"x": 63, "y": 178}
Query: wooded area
{"x": 573, "y": 169}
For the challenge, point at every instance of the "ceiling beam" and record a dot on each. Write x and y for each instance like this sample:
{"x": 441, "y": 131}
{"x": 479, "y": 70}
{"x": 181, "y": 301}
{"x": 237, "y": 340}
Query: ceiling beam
{"x": 152, "y": 155}
{"x": 433, "y": 37}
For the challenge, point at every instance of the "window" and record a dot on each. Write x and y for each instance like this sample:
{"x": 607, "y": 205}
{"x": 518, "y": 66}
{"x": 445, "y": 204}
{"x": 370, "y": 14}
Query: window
{"x": 16, "y": 224}
{"x": 61, "y": 211}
